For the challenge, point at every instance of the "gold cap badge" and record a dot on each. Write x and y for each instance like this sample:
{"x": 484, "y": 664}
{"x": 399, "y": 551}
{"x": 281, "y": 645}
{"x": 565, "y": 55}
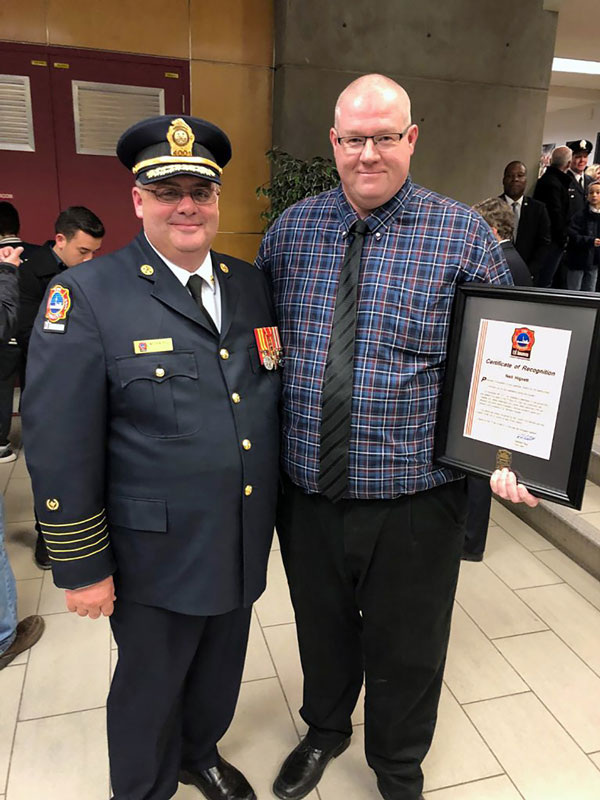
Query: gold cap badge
{"x": 224, "y": 268}
{"x": 146, "y": 269}
{"x": 52, "y": 504}
{"x": 181, "y": 138}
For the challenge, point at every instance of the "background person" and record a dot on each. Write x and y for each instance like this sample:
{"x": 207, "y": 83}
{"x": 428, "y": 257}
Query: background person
{"x": 581, "y": 149}
{"x": 552, "y": 189}
{"x": 531, "y": 222}
{"x": 371, "y": 530}
{"x": 10, "y": 353}
{"x": 583, "y": 250}
{"x": 165, "y": 428}
{"x": 15, "y": 637}
{"x": 78, "y": 237}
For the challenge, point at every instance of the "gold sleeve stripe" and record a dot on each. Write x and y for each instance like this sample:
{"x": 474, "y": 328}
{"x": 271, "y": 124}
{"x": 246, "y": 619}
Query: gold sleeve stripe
{"x": 70, "y": 524}
{"x": 76, "y": 549}
{"x": 77, "y": 558}
{"x": 74, "y": 541}
{"x": 74, "y": 533}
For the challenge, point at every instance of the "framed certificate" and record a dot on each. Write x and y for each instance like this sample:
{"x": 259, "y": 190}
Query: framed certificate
{"x": 521, "y": 387}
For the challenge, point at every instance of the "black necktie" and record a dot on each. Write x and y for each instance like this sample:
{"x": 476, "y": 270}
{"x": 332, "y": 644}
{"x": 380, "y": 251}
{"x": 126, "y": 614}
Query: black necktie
{"x": 194, "y": 284}
{"x": 337, "y": 384}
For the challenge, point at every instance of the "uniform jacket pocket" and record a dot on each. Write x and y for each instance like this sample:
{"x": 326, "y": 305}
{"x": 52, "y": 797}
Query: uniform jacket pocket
{"x": 140, "y": 514}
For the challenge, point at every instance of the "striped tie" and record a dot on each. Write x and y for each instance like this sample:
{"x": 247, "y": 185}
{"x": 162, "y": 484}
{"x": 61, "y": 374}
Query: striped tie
{"x": 339, "y": 370}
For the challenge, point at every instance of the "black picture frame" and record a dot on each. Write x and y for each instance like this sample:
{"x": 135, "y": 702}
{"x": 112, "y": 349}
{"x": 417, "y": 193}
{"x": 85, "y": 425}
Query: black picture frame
{"x": 561, "y": 478}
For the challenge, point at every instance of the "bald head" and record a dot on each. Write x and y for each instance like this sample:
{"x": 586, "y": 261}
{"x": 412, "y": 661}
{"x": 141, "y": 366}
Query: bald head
{"x": 371, "y": 90}
{"x": 561, "y": 158}
{"x": 373, "y": 141}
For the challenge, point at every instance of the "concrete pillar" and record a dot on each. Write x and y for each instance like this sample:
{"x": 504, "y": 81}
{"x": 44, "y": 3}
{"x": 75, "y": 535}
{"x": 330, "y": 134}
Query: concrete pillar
{"x": 477, "y": 72}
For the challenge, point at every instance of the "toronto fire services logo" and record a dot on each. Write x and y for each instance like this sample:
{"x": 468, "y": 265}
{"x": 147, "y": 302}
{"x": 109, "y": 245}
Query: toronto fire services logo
{"x": 523, "y": 340}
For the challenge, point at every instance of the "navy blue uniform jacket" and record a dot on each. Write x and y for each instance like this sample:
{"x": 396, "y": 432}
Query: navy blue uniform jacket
{"x": 159, "y": 467}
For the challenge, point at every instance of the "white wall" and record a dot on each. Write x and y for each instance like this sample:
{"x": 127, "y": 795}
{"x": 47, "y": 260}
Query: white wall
{"x": 581, "y": 122}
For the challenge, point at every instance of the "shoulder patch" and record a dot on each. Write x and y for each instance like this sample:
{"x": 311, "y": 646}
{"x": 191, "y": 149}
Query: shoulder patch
{"x": 57, "y": 309}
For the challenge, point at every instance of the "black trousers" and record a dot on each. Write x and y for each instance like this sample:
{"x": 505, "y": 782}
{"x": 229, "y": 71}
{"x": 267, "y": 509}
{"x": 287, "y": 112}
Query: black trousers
{"x": 10, "y": 362}
{"x": 478, "y": 516}
{"x": 172, "y": 696}
{"x": 372, "y": 584}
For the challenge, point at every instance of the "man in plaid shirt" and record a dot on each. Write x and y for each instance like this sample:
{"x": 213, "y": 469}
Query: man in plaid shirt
{"x": 373, "y": 569}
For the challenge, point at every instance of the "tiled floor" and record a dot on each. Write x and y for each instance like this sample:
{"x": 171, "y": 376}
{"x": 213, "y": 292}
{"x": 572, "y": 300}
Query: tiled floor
{"x": 519, "y": 715}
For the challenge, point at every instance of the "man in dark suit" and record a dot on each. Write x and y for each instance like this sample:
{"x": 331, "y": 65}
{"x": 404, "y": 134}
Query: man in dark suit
{"x": 532, "y": 224}
{"x": 10, "y": 226}
{"x": 78, "y": 236}
{"x": 164, "y": 417}
{"x": 552, "y": 189}
{"x": 501, "y": 220}
{"x": 579, "y": 180}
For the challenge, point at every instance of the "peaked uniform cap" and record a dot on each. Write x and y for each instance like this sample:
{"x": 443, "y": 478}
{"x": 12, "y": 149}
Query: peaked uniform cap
{"x": 170, "y": 145}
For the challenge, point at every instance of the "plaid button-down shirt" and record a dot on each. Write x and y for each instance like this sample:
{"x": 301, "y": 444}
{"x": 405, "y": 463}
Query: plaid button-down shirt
{"x": 419, "y": 246}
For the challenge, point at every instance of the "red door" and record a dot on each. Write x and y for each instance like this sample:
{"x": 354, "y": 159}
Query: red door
{"x": 28, "y": 177}
{"x": 82, "y": 101}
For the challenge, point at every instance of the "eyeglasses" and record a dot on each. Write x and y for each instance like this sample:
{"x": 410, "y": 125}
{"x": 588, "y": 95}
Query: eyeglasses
{"x": 173, "y": 195}
{"x": 382, "y": 141}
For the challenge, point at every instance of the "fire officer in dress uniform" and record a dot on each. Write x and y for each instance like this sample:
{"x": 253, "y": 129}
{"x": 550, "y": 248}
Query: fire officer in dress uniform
{"x": 150, "y": 423}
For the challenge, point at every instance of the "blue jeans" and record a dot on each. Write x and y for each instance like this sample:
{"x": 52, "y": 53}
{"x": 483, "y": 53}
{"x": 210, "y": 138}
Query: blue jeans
{"x": 8, "y": 593}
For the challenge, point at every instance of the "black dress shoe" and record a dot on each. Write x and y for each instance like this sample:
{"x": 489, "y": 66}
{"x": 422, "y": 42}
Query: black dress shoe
{"x": 302, "y": 769}
{"x": 223, "y": 782}
{"x": 41, "y": 557}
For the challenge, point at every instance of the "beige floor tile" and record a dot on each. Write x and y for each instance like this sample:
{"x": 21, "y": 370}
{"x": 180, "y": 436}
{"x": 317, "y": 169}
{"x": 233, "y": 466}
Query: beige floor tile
{"x": 18, "y": 501}
{"x": 591, "y": 498}
{"x": 514, "y": 564}
{"x": 565, "y": 685}
{"x": 458, "y": 753}
{"x": 596, "y": 759}
{"x": 573, "y": 574}
{"x": 11, "y": 683}
{"x": 258, "y": 661}
{"x": 260, "y": 737}
{"x": 69, "y": 667}
{"x": 20, "y": 543}
{"x": 475, "y": 670}
{"x": 114, "y": 657}
{"x": 283, "y": 646}
{"x": 52, "y": 599}
{"x": 518, "y": 529}
{"x": 60, "y": 758}
{"x": 274, "y": 607}
{"x": 571, "y": 617}
{"x": 492, "y": 605}
{"x": 349, "y": 776}
{"x": 275, "y": 542}
{"x": 489, "y": 789}
{"x": 6, "y": 471}
{"x": 28, "y": 596}
{"x": 538, "y": 755}
{"x": 20, "y": 467}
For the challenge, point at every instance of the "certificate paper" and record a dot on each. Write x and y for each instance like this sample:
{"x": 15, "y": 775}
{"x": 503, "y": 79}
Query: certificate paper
{"x": 516, "y": 386}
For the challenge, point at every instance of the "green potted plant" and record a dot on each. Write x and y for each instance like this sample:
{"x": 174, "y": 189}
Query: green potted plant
{"x": 293, "y": 179}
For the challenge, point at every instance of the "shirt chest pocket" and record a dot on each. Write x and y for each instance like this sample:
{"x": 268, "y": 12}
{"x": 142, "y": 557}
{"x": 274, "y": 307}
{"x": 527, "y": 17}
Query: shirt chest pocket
{"x": 415, "y": 319}
{"x": 160, "y": 393}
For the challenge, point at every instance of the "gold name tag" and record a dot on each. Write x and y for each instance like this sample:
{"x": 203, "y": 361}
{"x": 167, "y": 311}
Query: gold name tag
{"x": 153, "y": 346}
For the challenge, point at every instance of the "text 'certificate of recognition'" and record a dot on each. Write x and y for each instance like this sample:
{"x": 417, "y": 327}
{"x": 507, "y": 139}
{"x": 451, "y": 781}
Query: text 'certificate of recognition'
{"x": 516, "y": 386}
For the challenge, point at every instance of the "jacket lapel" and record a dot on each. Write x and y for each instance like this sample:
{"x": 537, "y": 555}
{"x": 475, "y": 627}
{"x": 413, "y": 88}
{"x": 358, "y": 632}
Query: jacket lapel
{"x": 229, "y": 292}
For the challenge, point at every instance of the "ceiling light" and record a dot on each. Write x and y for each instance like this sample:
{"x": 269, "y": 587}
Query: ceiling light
{"x": 576, "y": 65}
